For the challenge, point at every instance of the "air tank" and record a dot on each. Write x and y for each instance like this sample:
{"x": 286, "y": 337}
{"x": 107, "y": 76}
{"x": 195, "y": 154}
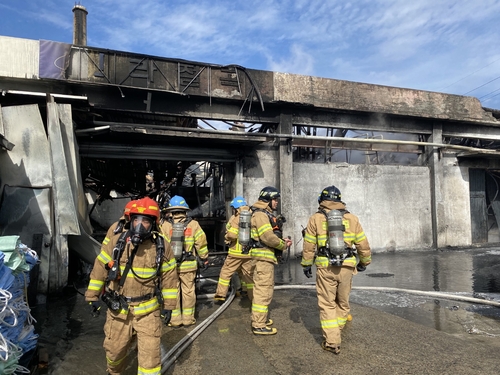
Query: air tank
{"x": 244, "y": 227}
{"x": 177, "y": 239}
{"x": 335, "y": 232}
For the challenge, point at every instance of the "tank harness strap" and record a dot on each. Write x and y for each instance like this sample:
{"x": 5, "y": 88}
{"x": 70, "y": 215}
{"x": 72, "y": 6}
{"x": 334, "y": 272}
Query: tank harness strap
{"x": 160, "y": 251}
{"x": 272, "y": 220}
{"x": 324, "y": 251}
{"x": 138, "y": 299}
{"x": 113, "y": 267}
{"x": 119, "y": 226}
{"x": 128, "y": 266}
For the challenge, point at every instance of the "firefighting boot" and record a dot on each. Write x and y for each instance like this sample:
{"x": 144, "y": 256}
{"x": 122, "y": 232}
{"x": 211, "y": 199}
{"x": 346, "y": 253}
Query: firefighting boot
{"x": 333, "y": 349}
{"x": 269, "y": 322}
{"x": 264, "y": 331}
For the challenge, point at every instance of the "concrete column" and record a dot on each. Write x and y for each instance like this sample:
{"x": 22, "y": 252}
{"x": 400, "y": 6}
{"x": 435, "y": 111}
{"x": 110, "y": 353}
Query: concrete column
{"x": 286, "y": 177}
{"x": 238, "y": 178}
{"x": 436, "y": 178}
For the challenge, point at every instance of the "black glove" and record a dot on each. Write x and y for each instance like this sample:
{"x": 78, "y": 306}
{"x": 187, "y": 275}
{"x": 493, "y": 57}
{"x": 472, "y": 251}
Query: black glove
{"x": 95, "y": 308}
{"x": 203, "y": 264}
{"x": 166, "y": 315}
{"x": 361, "y": 267}
{"x": 308, "y": 272}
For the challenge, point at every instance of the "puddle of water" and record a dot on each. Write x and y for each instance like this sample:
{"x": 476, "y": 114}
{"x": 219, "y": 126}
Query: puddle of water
{"x": 472, "y": 273}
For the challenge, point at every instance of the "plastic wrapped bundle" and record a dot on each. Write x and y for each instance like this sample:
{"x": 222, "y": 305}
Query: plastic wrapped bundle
{"x": 17, "y": 335}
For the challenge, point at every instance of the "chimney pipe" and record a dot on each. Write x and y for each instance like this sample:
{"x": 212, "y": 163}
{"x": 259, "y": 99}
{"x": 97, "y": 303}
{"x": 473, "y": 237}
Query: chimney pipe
{"x": 80, "y": 25}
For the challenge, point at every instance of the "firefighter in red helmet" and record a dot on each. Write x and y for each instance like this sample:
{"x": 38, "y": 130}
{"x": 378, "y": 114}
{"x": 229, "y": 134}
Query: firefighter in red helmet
{"x": 135, "y": 276}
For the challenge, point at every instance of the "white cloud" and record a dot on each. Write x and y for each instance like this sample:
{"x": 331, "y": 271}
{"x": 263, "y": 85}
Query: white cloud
{"x": 421, "y": 44}
{"x": 299, "y": 62}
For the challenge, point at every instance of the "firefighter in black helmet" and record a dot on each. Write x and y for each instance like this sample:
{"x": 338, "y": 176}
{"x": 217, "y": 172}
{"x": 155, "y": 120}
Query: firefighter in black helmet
{"x": 329, "y": 238}
{"x": 266, "y": 243}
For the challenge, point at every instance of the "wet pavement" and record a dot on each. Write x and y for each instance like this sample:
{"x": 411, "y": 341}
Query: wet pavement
{"x": 392, "y": 332}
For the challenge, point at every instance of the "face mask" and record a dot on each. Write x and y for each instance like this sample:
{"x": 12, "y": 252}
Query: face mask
{"x": 140, "y": 228}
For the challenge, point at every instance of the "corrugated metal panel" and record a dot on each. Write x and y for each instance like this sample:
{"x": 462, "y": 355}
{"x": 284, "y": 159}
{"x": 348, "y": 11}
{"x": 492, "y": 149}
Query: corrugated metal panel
{"x": 64, "y": 201}
{"x": 19, "y": 58}
{"x": 28, "y": 164}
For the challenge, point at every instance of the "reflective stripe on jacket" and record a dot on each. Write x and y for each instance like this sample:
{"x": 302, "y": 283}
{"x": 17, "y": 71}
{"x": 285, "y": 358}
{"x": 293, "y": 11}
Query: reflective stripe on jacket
{"x": 232, "y": 232}
{"x": 195, "y": 241}
{"x": 262, "y": 232}
{"x": 140, "y": 279}
{"x": 316, "y": 236}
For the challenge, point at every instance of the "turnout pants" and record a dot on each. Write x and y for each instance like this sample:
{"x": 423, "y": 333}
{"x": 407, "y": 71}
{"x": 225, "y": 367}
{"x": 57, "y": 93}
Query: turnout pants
{"x": 263, "y": 278}
{"x": 333, "y": 285}
{"x": 231, "y": 265}
{"x": 186, "y": 300}
{"x": 118, "y": 337}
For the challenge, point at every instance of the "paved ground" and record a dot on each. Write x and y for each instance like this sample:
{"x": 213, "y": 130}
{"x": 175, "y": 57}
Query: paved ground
{"x": 391, "y": 333}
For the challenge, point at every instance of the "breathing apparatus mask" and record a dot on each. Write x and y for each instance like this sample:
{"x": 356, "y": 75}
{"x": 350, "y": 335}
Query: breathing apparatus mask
{"x": 141, "y": 227}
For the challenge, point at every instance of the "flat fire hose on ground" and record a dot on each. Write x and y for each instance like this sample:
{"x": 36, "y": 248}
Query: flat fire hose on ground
{"x": 169, "y": 358}
{"x": 173, "y": 354}
{"x": 409, "y": 291}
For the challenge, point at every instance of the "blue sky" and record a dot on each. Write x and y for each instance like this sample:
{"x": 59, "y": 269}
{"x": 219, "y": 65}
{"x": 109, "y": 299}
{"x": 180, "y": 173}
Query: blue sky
{"x": 437, "y": 45}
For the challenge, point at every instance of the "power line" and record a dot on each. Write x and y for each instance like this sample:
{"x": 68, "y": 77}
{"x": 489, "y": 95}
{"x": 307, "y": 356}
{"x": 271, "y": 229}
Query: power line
{"x": 484, "y": 96}
{"x": 461, "y": 79}
{"x": 484, "y": 84}
{"x": 491, "y": 97}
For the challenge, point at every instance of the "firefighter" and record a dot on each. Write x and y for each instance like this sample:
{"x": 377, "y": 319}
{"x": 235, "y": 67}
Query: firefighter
{"x": 194, "y": 254}
{"x": 329, "y": 238}
{"x": 238, "y": 258}
{"x": 120, "y": 225}
{"x": 266, "y": 245}
{"x": 134, "y": 275}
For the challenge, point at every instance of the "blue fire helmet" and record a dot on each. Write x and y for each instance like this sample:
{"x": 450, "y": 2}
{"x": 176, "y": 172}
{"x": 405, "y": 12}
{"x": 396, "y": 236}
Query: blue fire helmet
{"x": 177, "y": 203}
{"x": 238, "y": 201}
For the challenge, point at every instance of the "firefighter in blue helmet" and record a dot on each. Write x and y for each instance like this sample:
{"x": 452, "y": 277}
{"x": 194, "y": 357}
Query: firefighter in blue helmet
{"x": 329, "y": 238}
{"x": 238, "y": 257}
{"x": 194, "y": 254}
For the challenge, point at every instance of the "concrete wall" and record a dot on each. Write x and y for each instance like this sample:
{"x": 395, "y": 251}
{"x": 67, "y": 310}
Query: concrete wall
{"x": 259, "y": 170}
{"x": 392, "y": 202}
{"x": 456, "y": 203}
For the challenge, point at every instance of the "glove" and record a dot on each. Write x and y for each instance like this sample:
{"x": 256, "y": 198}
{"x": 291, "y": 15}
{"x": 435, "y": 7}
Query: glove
{"x": 166, "y": 315}
{"x": 95, "y": 308}
{"x": 308, "y": 272}
{"x": 203, "y": 264}
{"x": 360, "y": 267}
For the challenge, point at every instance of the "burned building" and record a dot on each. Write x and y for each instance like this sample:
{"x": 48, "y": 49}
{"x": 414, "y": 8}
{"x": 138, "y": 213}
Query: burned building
{"x": 83, "y": 129}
